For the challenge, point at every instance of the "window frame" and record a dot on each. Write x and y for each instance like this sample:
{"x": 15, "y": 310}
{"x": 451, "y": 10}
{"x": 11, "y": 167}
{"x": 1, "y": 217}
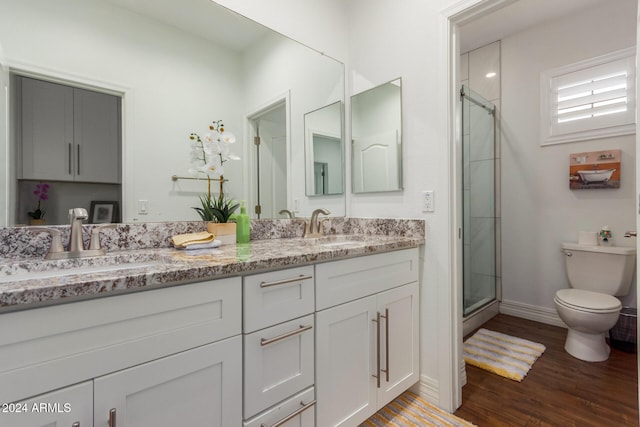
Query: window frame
{"x": 552, "y": 132}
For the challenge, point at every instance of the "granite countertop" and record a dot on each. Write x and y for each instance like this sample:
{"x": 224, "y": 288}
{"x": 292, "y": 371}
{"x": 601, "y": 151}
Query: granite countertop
{"x": 28, "y": 283}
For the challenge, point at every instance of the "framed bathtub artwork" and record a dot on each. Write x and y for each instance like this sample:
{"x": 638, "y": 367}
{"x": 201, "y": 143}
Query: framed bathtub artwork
{"x": 594, "y": 169}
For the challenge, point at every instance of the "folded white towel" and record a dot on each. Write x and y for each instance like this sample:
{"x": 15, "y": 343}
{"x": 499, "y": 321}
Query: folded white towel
{"x": 207, "y": 245}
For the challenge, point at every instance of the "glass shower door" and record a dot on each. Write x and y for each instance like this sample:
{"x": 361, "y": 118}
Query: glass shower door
{"x": 479, "y": 213}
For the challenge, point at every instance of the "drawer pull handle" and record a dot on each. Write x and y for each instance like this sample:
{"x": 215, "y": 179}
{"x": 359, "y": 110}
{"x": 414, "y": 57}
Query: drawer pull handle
{"x": 292, "y": 415}
{"x": 285, "y": 281}
{"x": 301, "y": 329}
{"x": 76, "y": 424}
{"x": 112, "y": 417}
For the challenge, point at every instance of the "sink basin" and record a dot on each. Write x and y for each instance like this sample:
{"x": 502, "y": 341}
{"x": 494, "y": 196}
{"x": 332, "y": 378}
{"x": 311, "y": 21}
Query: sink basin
{"x": 345, "y": 244}
{"x": 9, "y": 277}
{"x": 336, "y": 240}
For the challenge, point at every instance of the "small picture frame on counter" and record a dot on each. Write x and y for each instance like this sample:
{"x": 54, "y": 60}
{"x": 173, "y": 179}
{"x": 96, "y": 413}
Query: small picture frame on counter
{"x": 103, "y": 212}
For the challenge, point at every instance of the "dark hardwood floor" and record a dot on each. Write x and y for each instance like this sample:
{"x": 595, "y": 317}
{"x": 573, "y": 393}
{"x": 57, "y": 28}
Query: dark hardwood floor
{"x": 559, "y": 390}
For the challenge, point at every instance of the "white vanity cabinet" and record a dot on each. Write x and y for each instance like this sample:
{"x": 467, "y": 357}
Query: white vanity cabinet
{"x": 69, "y": 134}
{"x": 279, "y": 352}
{"x": 366, "y": 334}
{"x": 70, "y": 406}
{"x": 164, "y": 357}
{"x": 199, "y": 387}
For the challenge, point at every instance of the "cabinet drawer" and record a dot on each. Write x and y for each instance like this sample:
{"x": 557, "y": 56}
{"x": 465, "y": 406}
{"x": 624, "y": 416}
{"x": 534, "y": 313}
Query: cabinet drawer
{"x": 278, "y": 362}
{"x": 299, "y": 410}
{"x": 277, "y": 296}
{"x": 50, "y": 347}
{"x": 338, "y": 282}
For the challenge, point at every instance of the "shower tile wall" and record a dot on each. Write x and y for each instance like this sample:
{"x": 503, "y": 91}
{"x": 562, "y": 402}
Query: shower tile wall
{"x": 482, "y": 168}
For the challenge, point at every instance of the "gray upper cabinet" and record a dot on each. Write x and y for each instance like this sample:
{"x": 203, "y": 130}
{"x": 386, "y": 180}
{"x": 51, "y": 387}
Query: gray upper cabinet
{"x": 69, "y": 134}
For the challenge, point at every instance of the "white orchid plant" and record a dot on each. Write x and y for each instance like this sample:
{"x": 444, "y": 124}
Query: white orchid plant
{"x": 208, "y": 156}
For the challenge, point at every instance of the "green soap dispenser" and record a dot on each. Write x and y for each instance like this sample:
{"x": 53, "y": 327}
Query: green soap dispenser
{"x": 243, "y": 225}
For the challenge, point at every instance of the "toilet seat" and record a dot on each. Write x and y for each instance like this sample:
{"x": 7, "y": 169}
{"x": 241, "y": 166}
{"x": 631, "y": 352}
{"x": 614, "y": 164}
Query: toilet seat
{"x": 593, "y": 302}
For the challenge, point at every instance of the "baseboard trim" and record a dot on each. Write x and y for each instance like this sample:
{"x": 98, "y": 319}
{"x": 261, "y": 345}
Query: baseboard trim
{"x": 531, "y": 312}
{"x": 430, "y": 389}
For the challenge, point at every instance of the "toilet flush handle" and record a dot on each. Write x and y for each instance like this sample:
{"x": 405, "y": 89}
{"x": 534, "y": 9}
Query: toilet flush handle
{"x": 630, "y": 234}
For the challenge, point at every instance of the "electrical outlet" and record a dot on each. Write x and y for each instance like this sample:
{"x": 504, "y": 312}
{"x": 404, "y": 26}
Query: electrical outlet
{"x": 428, "y": 201}
{"x": 143, "y": 207}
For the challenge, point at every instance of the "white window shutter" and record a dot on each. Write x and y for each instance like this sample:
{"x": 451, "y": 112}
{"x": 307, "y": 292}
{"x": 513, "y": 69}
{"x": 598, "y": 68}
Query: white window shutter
{"x": 590, "y": 99}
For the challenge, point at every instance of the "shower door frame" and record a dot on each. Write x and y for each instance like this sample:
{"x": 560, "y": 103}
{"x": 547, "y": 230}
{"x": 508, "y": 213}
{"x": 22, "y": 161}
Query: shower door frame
{"x": 490, "y": 295}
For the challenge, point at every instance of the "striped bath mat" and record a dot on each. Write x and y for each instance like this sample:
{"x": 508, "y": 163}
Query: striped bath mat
{"x": 410, "y": 410}
{"x": 501, "y": 354}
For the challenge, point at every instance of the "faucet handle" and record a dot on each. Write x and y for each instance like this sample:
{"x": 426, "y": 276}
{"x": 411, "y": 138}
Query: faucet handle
{"x": 95, "y": 235}
{"x": 56, "y": 240}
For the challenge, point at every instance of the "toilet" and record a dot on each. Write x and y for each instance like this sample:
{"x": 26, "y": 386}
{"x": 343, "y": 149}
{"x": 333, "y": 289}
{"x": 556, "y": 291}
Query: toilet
{"x": 597, "y": 275}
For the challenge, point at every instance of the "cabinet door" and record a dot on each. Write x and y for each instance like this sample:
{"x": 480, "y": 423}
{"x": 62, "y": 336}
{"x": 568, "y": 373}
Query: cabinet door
{"x": 71, "y": 406}
{"x": 399, "y": 341}
{"x": 199, "y": 387}
{"x": 47, "y": 131}
{"x": 345, "y": 363}
{"x": 96, "y": 136}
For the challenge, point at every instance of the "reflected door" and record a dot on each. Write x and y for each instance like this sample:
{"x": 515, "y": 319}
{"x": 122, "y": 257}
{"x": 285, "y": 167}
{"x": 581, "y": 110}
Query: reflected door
{"x": 269, "y": 162}
{"x": 376, "y": 163}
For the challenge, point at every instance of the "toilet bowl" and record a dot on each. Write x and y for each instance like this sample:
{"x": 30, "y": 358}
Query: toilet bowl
{"x": 589, "y": 308}
{"x": 588, "y": 316}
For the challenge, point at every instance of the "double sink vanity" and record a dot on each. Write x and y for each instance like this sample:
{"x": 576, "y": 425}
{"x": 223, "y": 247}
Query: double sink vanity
{"x": 283, "y": 330}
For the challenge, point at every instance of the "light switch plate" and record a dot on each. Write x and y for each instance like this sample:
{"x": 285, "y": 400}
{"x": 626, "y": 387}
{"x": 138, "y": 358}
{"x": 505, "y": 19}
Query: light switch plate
{"x": 143, "y": 207}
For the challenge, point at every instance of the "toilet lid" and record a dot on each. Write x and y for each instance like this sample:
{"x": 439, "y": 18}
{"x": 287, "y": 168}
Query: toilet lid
{"x": 588, "y": 300}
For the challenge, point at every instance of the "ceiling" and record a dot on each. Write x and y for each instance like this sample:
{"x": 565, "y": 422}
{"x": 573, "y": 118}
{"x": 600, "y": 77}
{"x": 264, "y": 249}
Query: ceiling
{"x": 204, "y": 18}
{"x": 222, "y": 26}
{"x": 514, "y": 17}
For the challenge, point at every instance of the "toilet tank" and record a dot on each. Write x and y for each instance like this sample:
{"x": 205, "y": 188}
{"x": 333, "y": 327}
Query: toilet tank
{"x": 605, "y": 269}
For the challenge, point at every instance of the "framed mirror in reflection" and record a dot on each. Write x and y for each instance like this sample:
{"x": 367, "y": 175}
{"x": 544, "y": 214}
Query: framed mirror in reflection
{"x": 175, "y": 66}
{"x": 324, "y": 150}
{"x": 376, "y": 145}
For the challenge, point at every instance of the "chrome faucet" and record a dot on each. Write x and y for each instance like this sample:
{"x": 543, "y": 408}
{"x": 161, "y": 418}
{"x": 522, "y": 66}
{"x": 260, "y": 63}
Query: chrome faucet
{"x": 287, "y": 212}
{"x": 314, "y": 223}
{"x": 76, "y": 247}
{"x": 76, "y": 216}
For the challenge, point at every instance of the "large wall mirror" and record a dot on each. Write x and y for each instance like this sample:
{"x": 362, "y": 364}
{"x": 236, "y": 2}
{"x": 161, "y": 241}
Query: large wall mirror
{"x": 324, "y": 150}
{"x": 177, "y": 66}
{"x": 376, "y": 146}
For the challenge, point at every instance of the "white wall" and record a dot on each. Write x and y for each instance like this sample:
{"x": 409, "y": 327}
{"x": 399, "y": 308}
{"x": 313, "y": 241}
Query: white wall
{"x": 309, "y": 80}
{"x": 175, "y": 84}
{"x": 539, "y": 211}
{"x": 389, "y": 39}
